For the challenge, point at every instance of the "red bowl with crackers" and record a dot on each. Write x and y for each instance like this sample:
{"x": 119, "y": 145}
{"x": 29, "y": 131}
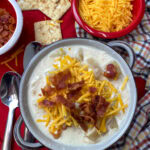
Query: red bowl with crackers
{"x": 11, "y": 24}
{"x": 137, "y": 8}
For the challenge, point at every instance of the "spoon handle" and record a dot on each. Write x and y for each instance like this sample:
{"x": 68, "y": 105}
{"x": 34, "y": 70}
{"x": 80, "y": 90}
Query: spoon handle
{"x": 28, "y": 137}
{"x": 8, "y": 130}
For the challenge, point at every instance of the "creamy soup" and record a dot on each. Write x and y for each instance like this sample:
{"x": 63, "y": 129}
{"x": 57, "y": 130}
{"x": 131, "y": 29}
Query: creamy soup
{"x": 97, "y": 60}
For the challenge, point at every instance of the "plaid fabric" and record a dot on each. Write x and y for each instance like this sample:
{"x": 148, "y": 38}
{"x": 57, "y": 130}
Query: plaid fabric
{"x": 139, "y": 40}
{"x": 137, "y": 137}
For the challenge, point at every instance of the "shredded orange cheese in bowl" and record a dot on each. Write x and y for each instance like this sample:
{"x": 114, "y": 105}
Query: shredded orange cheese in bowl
{"x": 106, "y": 15}
{"x": 78, "y": 82}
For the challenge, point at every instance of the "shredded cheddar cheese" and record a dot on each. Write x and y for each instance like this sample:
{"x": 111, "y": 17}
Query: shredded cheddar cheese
{"x": 59, "y": 21}
{"x": 12, "y": 57}
{"x": 120, "y": 101}
{"x": 124, "y": 83}
{"x": 16, "y": 61}
{"x": 59, "y": 115}
{"x": 12, "y": 69}
{"x": 51, "y": 24}
{"x": 6, "y": 61}
{"x": 106, "y": 15}
{"x": 103, "y": 125}
{"x": 117, "y": 110}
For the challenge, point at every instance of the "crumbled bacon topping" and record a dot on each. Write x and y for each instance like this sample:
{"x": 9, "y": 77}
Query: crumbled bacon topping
{"x": 67, "y": 103}
{"x": 47, "y": 103}
{"x": 76, "y": 85}
{"x": 87, "y": 112}
{"x": 95, "y": 100}
{"x": 88, "y": 119}
{"x": 87, "y": 108}
{"x": 101, "y": 105}
{"x": 7, "y": 26}
{"x": 59, "y": 80}
{"x": 39, "y": 95}
{"x": 94, "y": 109}
{"x": 47, "y": 90}
{"x": 73, "y": 94}
{"x": 92, "y": 89}
{"x": 80, "y": 121}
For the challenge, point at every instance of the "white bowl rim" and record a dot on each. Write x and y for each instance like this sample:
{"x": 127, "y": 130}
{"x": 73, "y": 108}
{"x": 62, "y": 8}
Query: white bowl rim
{"x": 19, "y": 17}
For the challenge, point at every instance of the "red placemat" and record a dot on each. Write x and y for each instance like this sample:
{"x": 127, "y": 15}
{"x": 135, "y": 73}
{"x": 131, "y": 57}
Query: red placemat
{"x": 68, "y": 31}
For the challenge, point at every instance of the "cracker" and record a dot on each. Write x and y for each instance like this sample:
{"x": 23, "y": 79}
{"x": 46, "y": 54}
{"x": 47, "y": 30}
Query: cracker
{"x": 54, "y": 9}
{"x": 28, "y": 4}
{"x": 47, "y": 32}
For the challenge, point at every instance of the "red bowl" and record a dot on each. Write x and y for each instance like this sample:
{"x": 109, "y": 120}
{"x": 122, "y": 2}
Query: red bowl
{"x": 138, "y": 12}
{"x": 8, "y": 7}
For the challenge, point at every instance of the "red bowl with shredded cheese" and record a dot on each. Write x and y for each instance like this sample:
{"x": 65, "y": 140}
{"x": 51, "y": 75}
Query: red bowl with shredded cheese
{"x": 137, "y": 12}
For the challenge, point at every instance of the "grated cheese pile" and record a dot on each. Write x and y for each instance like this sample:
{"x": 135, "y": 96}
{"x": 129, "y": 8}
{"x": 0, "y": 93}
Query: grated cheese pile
{"x": 106, "y": 15}
{"x": 58, "y": 116}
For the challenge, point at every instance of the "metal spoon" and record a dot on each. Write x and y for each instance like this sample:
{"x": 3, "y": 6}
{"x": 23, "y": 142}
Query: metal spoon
{"x": 9, "y": 90}
{"x": 31, "y": 49}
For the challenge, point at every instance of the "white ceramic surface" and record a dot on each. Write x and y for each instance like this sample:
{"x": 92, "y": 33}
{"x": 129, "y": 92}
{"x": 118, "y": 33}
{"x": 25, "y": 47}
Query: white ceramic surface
{"x": 19, "y": 25}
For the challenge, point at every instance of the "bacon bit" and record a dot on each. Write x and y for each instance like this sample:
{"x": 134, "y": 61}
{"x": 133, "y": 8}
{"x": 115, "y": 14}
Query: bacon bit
{"x": 61, "y": 85}
{"x": 47, "y": 90}
{"x": 11, "y": 20}
{"x": 95, "y": 100}
{"x": 57, "y": 135}
{"x": 83, "y": 126}
{"x": 10, "y": 35}
{"x": 92, "y": 89}
{"x": 2, "y": 41}
{"x": 4, "y": 34}
{"x": 64, "y": 126}
{"x": 47, "y": 103}
{"x": 11, "y": 27}
{"x": 87, "y": 108}
{"x": 89, "y": 112}
{"x": 59, "y": 80}
{"x": 111, "y": 71}
{"x": 75, "y": 86}
{"x": 6, "y": 20}
{"x": 88, "y": 118}
{"x": 74, "y": 94}
{"x": 61, "y": 99}
{"x": 1, "y": 28}
{"x": 101, "y": 106}
{"x": 80, "y": 121}
{"x": 67, "y": 74}
{"x": 6, "y": 27}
